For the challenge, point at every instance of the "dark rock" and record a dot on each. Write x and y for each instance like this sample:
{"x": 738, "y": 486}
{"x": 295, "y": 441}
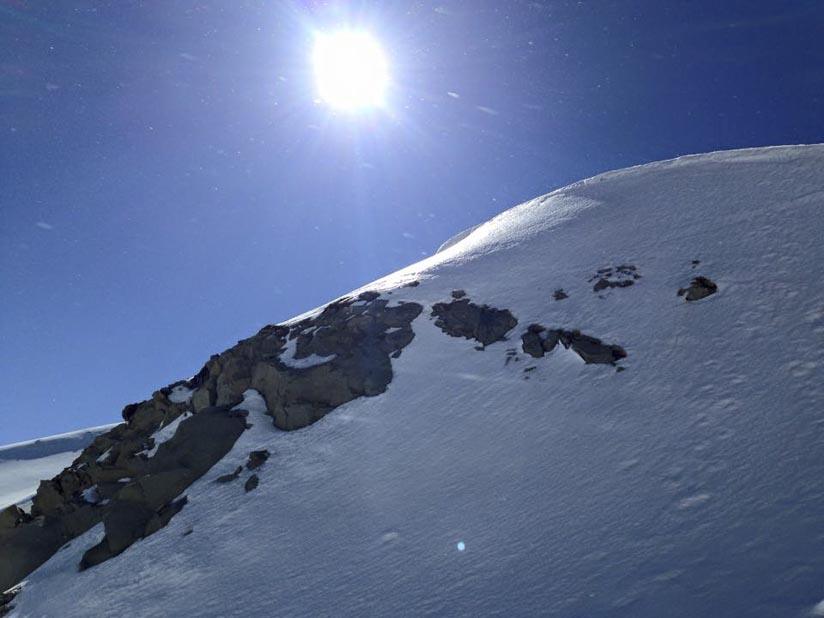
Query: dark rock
{"x": 251, "y": 483}
{"x": 695, "y": 263}
{"x": 457, "y": 294}
{"x": 532, "y": 341}
{"x": 699, "y": 288}
{"x": 126, "y": 523}
{"x": 11, "y": 516}
{"x": 621, "y": 276}
{"x": 538, "y": 340}
{"x": 228, "y": 478}
{"x": 368, "y": 296}
{"x": 462, "y": 318}
{"x": 146, "y": 504}
{"x": 559, "y": 294}
{"x": 257, "y": 459}
{"x": 412, "y": 284}
{"x": 359, "y": 339}
{"x": 591, "y": 349}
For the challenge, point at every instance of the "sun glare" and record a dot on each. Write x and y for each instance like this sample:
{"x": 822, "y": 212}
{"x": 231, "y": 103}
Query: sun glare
{"x": 350, "y": 69}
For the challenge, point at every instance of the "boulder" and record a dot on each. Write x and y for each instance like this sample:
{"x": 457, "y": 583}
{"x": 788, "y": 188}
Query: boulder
{"x": 463, "y": 318}
{"x": 538, "y": 340}
{"x": 257, "y": 459}
{"x": 251, "y": 483}
{"x": 699, "y": 288}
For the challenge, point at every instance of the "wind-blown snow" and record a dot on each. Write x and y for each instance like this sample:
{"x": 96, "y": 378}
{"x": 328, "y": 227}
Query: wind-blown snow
{"x": 691, "y": 484}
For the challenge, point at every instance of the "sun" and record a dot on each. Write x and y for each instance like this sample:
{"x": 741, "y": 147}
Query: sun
{"x": 351, "y": 70}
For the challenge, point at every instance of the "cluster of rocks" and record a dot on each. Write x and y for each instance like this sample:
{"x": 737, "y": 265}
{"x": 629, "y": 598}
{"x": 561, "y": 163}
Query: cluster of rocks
{"x": 539, "y": 340}
{"x": 621, "y": 276}
{"x": 82, "y": 494}
{"x": 303, "y": 371}
{"x": 463, "y": 318}
{"x": 117, "y": 482}
{"x": 255, "y": 461}
{"x": 146, "y": 504}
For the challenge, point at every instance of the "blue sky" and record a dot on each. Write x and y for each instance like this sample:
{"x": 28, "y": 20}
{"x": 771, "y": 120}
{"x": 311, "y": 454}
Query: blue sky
{"x": 169, "y": 183}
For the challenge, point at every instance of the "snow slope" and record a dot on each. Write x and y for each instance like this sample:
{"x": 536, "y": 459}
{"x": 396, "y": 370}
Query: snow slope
{"x": 24, "y": 464}
{"x": 691, "y": 484}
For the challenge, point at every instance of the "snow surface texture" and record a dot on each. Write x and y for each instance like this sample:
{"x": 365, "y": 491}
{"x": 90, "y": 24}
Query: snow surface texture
{"x": 690, "y": 484}
{"x": 24, "y": 464}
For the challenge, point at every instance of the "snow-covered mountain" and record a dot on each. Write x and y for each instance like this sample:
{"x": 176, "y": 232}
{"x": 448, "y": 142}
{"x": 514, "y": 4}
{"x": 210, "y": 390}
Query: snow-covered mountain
{"x": 607, "y": 401}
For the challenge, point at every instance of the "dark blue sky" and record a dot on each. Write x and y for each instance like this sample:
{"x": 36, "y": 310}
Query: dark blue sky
{"x": 168, "y": 184}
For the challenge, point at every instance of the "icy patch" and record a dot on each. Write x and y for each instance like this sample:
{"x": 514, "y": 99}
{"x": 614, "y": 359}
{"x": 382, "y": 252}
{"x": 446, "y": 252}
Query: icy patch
{"x": 105, "y": 454}
{"x": 181, "y": 394}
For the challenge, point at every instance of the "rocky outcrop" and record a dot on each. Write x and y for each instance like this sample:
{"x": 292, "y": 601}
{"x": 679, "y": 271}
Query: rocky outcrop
{"x": 343, "y": 353}
{"x": 621, "y": 276}
{"x": 538, "y": 341}
{"x": 559, "y": 294}
{"x": 463, "y": 318}
{"x": 79, "y": 497}
{"x": 146, "y": 504}
{"x": 132, "y": 485}
{"x": 699, "y": 288}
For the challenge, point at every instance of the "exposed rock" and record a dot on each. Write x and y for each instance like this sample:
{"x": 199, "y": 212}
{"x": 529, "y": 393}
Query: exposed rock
{"x": 559, "y": 294}
{"x": 126, "y": 523}
{"x": 359, "y": 336}
{"x": 699, "y": 288}
{"x": 228, "y": 478}
{"x": 457, "y": 294}
{"x": 591, "y": 349}
{"x": 621, "y": 276}
{"x": 146, "y": 504}
{"x": 462, "y": 318}
{"x": 257, "y": 459}
{"x": 251, "y": 483}
{"x": 538, "y": 340}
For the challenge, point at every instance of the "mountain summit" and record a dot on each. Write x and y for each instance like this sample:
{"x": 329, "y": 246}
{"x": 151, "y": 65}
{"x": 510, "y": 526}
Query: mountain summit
{"x": 606, "y": 401}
